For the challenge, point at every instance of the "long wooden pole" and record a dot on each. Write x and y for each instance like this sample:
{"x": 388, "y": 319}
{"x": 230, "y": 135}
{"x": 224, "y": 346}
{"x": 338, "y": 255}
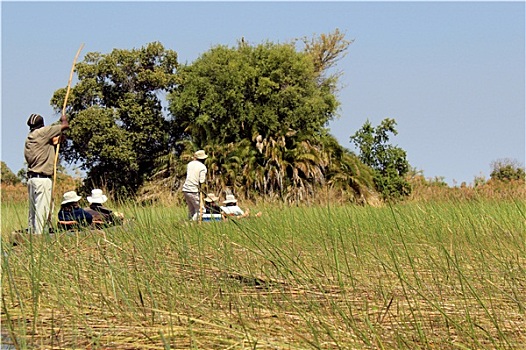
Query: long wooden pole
{"x": 201, "y": 204}
{"x": 51, "y": 209}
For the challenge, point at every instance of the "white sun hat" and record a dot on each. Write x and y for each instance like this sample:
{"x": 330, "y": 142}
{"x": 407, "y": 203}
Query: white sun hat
{"x": 70, "y": 197}
{"x": 210, "y": 197}
{"x": 200, "y": 154}
{"x": 97, "y": 197}
{"x": 230, "y": 199}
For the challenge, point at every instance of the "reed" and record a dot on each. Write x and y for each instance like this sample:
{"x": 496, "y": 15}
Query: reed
{"x": 415, "y": 275}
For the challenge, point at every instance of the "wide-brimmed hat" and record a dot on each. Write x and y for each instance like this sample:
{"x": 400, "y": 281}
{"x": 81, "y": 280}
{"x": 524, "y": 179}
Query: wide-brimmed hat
{"x": 230, "y": 199}
{"x": 97, "y": 197}
{"x": 211, "y": 198}
{"x": 35, "y": 121}
{"x": 200, "y": 154}
{"x": 70, "y": 197}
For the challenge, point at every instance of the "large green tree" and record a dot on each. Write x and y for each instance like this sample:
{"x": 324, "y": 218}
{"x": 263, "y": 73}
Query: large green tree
{"x": 261, "y": 112}
{"x": 232, "y": 94}
{"x": 389, "y": 162}
{"x": 118, "y": 127}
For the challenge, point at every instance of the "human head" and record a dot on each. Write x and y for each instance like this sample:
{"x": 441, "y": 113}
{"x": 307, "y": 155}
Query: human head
{"x": 35, "y": 121}
{"x": 230, "y": 200}
{"x": 200, "y": 155}
{"x": 97, "y": 197}
{"x": 70, "y": 198}
{"x": 211, "y": 198}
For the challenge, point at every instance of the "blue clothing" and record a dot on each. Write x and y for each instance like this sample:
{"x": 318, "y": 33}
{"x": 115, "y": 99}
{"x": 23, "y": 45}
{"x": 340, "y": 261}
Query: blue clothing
{"x": 79, "y": 215}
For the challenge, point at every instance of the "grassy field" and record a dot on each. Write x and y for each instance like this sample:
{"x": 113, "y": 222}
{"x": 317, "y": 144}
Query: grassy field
{"x": 441, "y": 275}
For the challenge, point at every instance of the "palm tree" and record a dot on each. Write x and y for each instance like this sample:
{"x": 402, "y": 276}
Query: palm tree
{"x": 347, "y": 174}
{"x": 292, "y": 167}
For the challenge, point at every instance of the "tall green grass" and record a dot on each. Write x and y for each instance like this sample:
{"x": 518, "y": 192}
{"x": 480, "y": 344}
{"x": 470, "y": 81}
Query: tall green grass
{"x": 419, "y": 275}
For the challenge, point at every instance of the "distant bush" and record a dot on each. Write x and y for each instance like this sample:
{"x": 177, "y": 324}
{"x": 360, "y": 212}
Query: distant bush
{"x": 7, "y": 176}
{"x": 507, "y": 170}
{"x": 436, "y": 189}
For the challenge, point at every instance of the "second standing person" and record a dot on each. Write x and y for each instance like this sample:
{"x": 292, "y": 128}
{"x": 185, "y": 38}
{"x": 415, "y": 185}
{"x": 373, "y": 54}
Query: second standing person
{"x": 195, "y": 177}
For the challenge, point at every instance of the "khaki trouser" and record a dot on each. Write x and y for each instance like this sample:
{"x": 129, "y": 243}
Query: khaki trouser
{"x": 192, "y": 200}
{"x": 39, "y": 190}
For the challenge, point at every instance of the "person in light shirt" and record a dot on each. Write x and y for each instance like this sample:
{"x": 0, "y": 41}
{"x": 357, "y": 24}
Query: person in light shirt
{"x": 231, "y": 209}
{"x": 195, "y": 177}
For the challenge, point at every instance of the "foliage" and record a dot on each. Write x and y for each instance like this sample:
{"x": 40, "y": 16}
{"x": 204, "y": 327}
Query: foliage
{"x": 507, "y": 170}
{"x": 479, "y": 180}
{"x": 22, "y": 174}
{"x": 389, "y": 162}
{"x": 17, "y": 192}
{"x": 7, "y": 177}
{"x": 442, "y": 275}
{"x": 261, "y": 112}
{"x": 62, "y": 176}
{"x": 233, "y": 94}
{"x": 325, "y": 51}
{"x": 117, "y": 125}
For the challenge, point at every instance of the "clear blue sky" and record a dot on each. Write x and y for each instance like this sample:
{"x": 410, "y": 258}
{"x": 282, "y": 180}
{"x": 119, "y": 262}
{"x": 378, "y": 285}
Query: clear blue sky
{"x": 452, "y": 74}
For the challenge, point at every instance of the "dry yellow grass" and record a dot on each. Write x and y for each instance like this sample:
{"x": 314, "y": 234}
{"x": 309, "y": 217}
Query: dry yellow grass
{"x": 445, "y": 274}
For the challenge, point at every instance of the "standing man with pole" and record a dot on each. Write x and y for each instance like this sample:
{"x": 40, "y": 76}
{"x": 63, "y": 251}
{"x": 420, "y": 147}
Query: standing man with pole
{"x": 195, "y": 176}
{"x": 39, "y": 152}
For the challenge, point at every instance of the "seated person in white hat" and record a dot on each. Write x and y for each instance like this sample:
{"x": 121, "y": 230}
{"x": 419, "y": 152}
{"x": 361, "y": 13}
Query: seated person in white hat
{"x": 101, "y": 214}
{"x": 231, "y": 209}
{"x": 211, "y": 210}
{"x": 71, "y": 214}
{"x": 212, "y": 204}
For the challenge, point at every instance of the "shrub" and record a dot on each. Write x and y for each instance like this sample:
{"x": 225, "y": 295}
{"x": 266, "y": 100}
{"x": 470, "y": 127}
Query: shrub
{"x": 507, "y": 170}
{"x": 7, "y": 176}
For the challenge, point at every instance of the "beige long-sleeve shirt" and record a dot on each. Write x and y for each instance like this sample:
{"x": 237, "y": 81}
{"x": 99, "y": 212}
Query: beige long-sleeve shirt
{"x": 39, "y": 150}
{"x": 195, "y": 175}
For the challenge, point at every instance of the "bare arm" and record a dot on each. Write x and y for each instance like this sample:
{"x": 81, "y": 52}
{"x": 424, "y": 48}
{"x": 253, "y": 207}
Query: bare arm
{"x": 64, "y": 122}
